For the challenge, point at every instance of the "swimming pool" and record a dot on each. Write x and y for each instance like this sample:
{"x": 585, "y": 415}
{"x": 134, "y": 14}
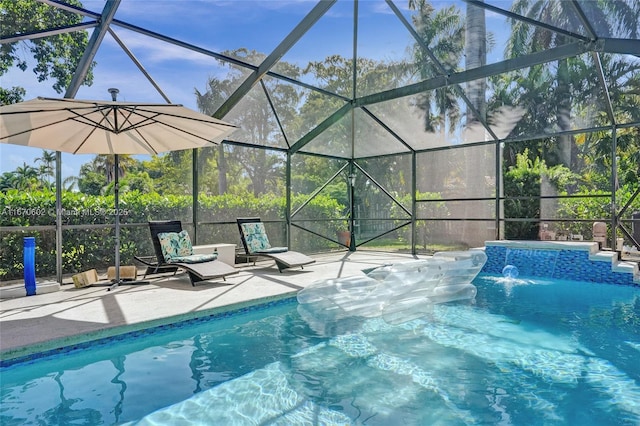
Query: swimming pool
{"x": 524, "y": 353}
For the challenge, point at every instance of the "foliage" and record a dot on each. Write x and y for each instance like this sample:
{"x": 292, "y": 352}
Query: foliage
{"x": 425, "y": 229}
{"x": 594, "y": 207}
{"x": 12, "y": 96}
{"x": 56, "y": 56}
{"x": 522, "y": 183}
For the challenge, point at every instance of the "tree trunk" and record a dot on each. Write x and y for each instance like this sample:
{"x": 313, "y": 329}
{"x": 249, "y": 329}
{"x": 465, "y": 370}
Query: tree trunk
{"x": 477, "y": 165}
{"x": 222, "y": 171}
{"x": 565, "y": 149}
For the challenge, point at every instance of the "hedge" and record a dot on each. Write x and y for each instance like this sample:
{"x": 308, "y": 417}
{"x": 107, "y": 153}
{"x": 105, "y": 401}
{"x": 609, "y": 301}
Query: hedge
{"x": 91, "y": 245}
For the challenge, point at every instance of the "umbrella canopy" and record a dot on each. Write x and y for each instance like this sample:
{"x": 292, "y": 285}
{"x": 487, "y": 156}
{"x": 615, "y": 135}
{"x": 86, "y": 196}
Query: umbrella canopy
{"x": 108, "y": 127}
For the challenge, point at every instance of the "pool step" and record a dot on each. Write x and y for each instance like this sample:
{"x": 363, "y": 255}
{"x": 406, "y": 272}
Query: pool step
{"x": 619, "y": 266}
{"x": 580, "y": 261}
{"x": 263, "y": 396}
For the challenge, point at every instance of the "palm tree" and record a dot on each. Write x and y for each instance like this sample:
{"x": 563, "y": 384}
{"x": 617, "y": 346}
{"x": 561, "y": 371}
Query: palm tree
{"x": 526, "y": 38}
{"x": 47, "y": 161}
{"x": 26, "y": 177}
{"x": 570, "y": 74}
{"x": 69, "y": 183}
{"x": 443, "y": 32}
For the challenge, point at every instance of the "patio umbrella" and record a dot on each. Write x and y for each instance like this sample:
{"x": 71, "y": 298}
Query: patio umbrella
{"x": 108, "y": 127}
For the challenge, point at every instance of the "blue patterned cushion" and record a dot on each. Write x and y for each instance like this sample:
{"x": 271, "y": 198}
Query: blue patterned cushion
{"x": 195, "y": 258}
{"x": 255, "y": 236}
{"x": 175, "y": 245}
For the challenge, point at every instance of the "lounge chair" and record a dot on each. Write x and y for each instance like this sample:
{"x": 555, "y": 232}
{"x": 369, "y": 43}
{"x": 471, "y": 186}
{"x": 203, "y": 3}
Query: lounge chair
{"x": 173, "y": 250}
{"x": 256, "y": 244}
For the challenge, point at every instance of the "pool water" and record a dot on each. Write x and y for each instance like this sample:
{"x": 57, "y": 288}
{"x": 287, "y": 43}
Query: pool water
{"x": 523, "y": 353}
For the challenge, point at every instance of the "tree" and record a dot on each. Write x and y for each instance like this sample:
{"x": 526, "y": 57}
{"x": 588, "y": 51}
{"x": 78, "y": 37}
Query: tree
{"x": 170, "y": 172}
{"x": 257, "y": 120}
{"x": 478, "y": 160}
{"x": 105, "y": 163}
{"x": 526, "y": 38}
{"x": 91, "y": 181}
{"x": 208, "y": 102}
{"x": 7, "y": 181}
{"x": 56, "y": 56}
{"x": 575, "y": 79}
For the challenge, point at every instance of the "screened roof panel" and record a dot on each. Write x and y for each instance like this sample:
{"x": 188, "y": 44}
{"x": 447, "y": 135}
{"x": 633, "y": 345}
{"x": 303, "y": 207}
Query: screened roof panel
{"x": 256, "y": 121}
{"x": 300, "y": 109}
{"x": 551, "y": 98}
{"x": 325, "y": 52}
{"x": 623, "y": 90}
{"x": 127, "y": 77}
{"x": 556, "y": 13}
{"x": 441, "y": 27}
{"x": 406, "y": 117}
{"x": 372, "y": 139}
{"x": 386, "y": 57}
{"x": 160, "y": 60}
{"x": 215, "y": 25}
{"x": 334, "y": 141}
{"x": 617, "y": 19}
{"x": 414, "y": 80}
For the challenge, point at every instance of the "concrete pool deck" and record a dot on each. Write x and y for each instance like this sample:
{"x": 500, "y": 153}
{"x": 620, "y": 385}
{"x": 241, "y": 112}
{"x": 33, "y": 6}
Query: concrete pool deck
{"x": 71, "y": 316}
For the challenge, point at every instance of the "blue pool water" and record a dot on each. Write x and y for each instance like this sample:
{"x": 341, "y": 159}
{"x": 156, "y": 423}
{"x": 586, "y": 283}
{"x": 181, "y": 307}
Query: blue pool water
{"x": 524, "y": 353}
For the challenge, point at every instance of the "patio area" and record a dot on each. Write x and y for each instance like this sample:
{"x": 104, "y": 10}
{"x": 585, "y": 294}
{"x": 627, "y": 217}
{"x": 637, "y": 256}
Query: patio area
{"x": 71, "y": 316}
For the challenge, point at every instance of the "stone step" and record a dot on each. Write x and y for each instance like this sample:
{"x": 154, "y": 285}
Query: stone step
{"x": 617, "y": 265}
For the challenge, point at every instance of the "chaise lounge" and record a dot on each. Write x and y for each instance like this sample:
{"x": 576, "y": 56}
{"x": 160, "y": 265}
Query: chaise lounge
{"x": 173, "y": 249}
{"x": 256, "y": 244}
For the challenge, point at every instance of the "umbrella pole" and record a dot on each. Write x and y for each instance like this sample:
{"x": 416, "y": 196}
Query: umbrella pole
{"x": 116, "y": 193}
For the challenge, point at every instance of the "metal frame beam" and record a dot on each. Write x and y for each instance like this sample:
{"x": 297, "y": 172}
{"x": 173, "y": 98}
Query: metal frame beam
{"x": 622, "y": 46}
{"x": 141, "y": 67}
{"x": 525, "y": 19}
{"x": 489, "y": 70}
{"x": 328, "y": 122}
{"x": 90, "y": 51}
{"x": 47, "y": 33}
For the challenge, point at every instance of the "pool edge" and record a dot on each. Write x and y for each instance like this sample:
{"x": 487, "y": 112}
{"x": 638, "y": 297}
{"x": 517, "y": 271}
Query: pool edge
{"x": 15, "y": 355}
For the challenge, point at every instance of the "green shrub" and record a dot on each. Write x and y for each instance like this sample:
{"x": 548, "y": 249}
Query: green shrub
{"x": 87, "y": 245}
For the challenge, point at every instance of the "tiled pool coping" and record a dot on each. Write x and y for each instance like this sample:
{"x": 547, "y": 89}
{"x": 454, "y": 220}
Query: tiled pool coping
{"x": 117, "y": 334}
{"x": 577, "y": 261}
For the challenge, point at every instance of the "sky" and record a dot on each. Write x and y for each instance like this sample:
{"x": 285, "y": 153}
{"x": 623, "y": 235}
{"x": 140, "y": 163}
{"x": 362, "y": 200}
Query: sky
{"x": 219, "y": 25}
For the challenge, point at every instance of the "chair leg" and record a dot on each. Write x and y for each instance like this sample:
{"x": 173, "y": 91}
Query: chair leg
{"x": 194, "y": 278}
{"x": 281, "y": 266}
